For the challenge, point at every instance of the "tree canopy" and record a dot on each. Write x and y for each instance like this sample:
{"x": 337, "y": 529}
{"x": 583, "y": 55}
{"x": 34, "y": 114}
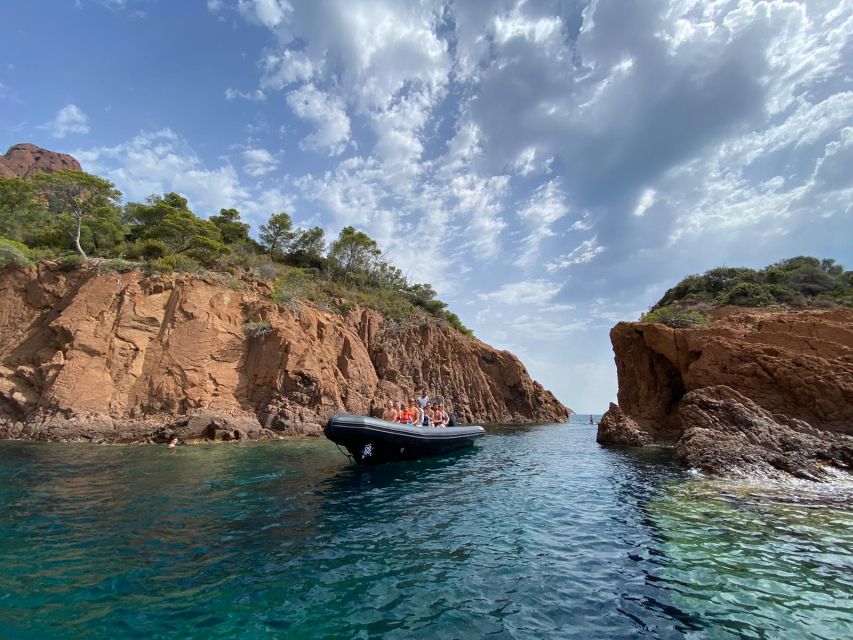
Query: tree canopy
{"x": 72, "y": 210}
{"x": 75, "y": 197}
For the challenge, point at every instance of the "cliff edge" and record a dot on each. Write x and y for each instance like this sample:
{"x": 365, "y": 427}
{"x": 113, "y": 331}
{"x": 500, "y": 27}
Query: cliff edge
{"x": 125, "y": 357}
{"x": 755, "y": 392}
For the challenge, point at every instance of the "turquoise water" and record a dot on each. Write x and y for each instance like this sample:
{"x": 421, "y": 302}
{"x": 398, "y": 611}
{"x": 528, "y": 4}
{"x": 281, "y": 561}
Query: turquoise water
{"x": 535, "y": 533}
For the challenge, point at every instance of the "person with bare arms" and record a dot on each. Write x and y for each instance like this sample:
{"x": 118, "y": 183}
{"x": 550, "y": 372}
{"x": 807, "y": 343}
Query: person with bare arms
{"x": 390, "y": 413}
{"x": 439, "y": 417}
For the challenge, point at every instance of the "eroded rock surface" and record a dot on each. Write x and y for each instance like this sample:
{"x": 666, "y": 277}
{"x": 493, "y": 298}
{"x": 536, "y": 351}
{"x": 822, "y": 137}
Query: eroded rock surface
{"x": 125, "y": 357}
{"x": 26, "y": 160}
{"x": 617, "y": 428}
{"x": 755, "y": 390}
{"x": 727, "y": 433}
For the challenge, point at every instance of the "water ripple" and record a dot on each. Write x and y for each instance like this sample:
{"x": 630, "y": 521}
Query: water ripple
{"x": 538, "y": 532}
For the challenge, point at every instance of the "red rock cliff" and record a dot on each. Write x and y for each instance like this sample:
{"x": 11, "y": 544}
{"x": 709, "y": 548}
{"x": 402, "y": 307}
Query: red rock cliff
{"x": 741, "y": 392}
{"x": 26, "y": 160}
{"x": 114, "y": 357}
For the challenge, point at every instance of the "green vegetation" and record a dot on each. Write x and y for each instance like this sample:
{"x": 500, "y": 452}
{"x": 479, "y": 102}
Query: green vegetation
{"x": 675, "y": 317}
{"x": 73, "y": 216}
{"x": 798, "y": 283}
{"x": 257, "y": 329}
{"x": 12, "y": 252}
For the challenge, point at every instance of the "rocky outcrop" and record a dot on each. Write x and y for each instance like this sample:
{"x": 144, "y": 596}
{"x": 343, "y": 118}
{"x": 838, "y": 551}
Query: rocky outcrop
{"x": 617, "y": 428}
{"x": 26, "y": 160}
{"x": 128, "y": 357}
{"x": 755, "y": 390}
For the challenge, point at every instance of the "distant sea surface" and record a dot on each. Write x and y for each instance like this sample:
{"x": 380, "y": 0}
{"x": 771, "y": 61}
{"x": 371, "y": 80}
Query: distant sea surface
{"x": 537, "y": 532}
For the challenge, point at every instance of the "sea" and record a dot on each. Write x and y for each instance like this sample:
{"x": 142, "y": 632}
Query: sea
{"x": 536, "y": 532}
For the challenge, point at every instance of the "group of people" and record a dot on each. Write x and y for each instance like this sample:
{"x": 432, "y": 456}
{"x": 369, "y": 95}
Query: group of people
{"x": 423, "y": 411}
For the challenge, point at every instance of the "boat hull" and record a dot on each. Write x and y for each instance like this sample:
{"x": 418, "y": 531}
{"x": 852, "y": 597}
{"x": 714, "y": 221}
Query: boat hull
{"x": 374, "y": 441}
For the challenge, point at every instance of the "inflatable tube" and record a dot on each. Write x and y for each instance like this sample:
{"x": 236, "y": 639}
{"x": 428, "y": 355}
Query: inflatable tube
{"x": 374, "y": 441}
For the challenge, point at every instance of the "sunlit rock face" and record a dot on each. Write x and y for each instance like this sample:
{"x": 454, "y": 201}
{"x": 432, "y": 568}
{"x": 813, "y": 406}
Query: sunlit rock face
{"x": 26, "y": 160}
{"x": 115, "y": 357}
{"x": 754, "y": 389}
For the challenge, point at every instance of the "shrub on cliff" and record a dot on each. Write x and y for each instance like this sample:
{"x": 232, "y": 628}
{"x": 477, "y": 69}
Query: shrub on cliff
{"x": 802, "y": 281}
{"x": 292, "y": 285}
{"x": 257, "y": 329}
{"x": 12, "y": 252}
{"x": 170, "y": 264}
{"x": 147, "y": 249}
{"x": 675, "y": 317}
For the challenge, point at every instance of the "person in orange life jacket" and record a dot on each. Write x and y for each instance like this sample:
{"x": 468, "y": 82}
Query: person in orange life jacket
{"x": 398, "y": 407}
{"x": 403, "y": 414}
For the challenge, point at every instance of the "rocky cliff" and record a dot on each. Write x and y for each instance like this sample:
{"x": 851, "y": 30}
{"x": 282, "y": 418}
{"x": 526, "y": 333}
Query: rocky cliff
{"x": 755, "y": 392}
{"x": 128, "y": 357}
{"x": 26, "y": 160}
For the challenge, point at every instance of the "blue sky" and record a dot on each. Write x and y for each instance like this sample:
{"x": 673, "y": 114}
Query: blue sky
{"x": 551, "y": 167}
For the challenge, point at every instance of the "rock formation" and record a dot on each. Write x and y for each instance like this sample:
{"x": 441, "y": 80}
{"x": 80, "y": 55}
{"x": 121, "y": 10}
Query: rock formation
{"x": 129, "y": 357}
{"x": 26, "y": 160}
{"x": 754, "y": 392}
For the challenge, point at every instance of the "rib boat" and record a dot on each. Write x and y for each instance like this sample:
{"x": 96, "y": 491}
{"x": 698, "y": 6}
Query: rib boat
{"x": 374, "y": 441}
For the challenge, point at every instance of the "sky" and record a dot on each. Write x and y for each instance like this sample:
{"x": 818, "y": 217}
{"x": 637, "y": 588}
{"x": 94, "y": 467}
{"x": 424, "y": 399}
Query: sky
{"x": 551, "y": 167}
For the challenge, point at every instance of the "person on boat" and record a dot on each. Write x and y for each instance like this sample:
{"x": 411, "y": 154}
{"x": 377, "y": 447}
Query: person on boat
{"x": 451, "y": 417}
{"x": 416, "y": 411}
{"x": 439, "y": 418}
{"x": 427, "y": 419}
{"x": 404, "y": 416}
{"x": 398, "y": 407}
{"x": 423, "y": 401}
{"x": 390, "y": 413}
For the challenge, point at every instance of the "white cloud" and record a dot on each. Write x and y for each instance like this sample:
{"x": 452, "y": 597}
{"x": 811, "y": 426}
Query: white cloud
{"x": 252, "y": 96}
{"x": 269, "y": 13}
{"x": 524, "y": 292}
{"x": 530, "y": 161}
{"x": 287, "y": 68}
{"x": 69, "y": 120}
{"x": 647, "y": 199}
{"x": 583, "y": 253}
{"x": 545, "y": 207}
{"x": 159, "y": 162}
{"x": 327, "y": 113}
{"x": 258, "y": 162}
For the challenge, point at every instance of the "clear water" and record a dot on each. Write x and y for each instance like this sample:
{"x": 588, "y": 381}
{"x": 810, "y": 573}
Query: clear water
{"x": 535, "y": 533}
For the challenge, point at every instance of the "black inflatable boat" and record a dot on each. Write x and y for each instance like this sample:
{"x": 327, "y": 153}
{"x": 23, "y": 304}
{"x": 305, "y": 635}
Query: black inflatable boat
{"x": 373, "y": 441}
